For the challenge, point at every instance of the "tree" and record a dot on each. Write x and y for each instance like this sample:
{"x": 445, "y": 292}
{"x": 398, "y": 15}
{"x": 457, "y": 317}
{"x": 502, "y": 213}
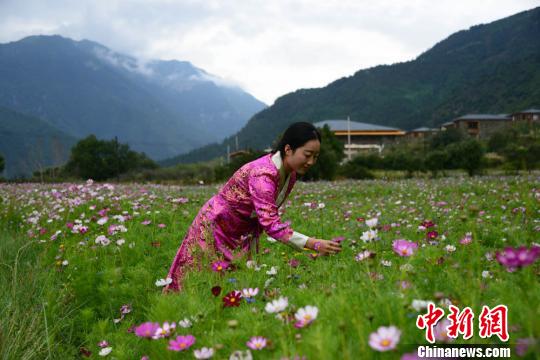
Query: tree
{"x": 467, "y": 155}
{"x": 436, "y": 160}
{"x": 444, "y": 138}
{"x": 101, "y": 159}
{"x": 2, "y": 163}
{"x": 329, "y": 158}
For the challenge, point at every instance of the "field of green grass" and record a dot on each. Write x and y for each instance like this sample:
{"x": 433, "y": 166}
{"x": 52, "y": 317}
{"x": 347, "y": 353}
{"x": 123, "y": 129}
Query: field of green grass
{"x": 79, "y": 265}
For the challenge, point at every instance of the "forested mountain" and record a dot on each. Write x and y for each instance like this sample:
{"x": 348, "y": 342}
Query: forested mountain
{"x": 491, "y": 68}
{"x": 158, "y": 107}
{"x": 28, "y": 144}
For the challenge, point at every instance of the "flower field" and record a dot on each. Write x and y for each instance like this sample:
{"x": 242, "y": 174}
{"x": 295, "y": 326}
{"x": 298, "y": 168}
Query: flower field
{"x": 83, "y": 267}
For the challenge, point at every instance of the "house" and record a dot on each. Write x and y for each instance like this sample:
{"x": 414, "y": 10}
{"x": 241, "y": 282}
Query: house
{"x": 528, "y": 116}
{"x": 361, "y": 137}
{"x": 421, "y": 133}
{"x": 482, "y": 126}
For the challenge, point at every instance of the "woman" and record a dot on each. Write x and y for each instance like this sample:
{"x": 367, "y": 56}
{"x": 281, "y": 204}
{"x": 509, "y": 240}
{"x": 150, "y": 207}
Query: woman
{"x": 231, "y": 221}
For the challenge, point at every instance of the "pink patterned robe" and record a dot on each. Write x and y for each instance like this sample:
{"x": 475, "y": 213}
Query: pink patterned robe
{"x": 232, "y": 220}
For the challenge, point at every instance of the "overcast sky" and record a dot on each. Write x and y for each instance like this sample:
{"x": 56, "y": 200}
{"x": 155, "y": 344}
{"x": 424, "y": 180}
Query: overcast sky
{"x": 268, "y": 47}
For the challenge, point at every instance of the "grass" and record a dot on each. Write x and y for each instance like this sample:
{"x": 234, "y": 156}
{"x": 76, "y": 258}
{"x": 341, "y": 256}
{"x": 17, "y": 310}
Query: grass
{"x": 54, "y": 311}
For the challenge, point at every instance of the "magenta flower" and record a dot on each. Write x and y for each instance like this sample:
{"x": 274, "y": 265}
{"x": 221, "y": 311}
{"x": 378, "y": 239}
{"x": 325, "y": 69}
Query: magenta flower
{"x": 146, "y": 222}
{"x": 404, "y": 247}
{"x": 220, "y": 266}
{"x": 181, "y": 343}
{"x": 294, "y": 263}
{"x": 432, "y": 234}
{"x": 339, "y": 239}
{"x": 513, "y": 258}
{"x": 257, "y": 343}
{"x": 146, "y": 330}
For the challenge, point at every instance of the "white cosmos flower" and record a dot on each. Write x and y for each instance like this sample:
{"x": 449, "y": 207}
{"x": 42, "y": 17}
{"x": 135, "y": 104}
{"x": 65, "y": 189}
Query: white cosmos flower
{"x": 272, "y": 271}
{"x": 306, "y": 314}
{"x": 450, "y": 248}
{"x": 249, "y": 292}
{"x": 277, "y": 306}
{"x": 185, "y": 323}
{"x": 372, "y": 222}
{"x": 204, "y": 353}
{"x": 163, "y": 282}
{"x": 103, "y": 240}
{"x": 368, "y": 236}
{"x": 105, "y": 351}
{"x": 419, "y": 305}
{"x": 103, "y": 220}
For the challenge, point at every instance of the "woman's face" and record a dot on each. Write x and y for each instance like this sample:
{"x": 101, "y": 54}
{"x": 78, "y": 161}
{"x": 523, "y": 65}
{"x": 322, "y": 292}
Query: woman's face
{"x": 303, "y": 157}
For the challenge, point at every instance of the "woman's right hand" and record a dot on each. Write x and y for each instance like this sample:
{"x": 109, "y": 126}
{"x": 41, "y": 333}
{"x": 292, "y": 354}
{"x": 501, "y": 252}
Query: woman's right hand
{"x": 323, "y": 247}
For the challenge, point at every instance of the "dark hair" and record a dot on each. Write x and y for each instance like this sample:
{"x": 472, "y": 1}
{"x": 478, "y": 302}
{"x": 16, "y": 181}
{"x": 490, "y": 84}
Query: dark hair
{"x": 296, "y": 135}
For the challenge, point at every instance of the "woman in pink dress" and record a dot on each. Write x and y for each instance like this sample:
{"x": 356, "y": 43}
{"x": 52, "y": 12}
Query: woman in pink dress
{"x": 232, "y": 220}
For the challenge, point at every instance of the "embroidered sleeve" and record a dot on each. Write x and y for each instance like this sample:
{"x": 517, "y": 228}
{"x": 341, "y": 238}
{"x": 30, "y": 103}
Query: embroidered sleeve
{"x": 263, "y": 189}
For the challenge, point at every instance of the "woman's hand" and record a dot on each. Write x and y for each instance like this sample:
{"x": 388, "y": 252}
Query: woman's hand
{"x": 323, "y": 247}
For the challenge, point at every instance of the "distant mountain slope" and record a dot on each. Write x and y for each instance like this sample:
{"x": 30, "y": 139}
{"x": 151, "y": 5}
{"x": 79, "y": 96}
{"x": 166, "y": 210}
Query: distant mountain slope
{"x": 28, "y": 144}
{"x": 492, "y": 68}
{"x": 82, "y": 87}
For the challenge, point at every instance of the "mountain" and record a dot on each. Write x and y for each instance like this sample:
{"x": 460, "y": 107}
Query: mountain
{"x": 158, "y": 107}
{"x": 28, "y": 144}
{"x": 491, "y": 68}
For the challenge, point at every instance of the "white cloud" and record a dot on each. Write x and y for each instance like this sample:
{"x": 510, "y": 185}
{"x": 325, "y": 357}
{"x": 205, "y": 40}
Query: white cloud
{"x": 268, "y": 47}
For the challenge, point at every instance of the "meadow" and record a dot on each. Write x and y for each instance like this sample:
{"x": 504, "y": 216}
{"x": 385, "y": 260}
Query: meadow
{"x": 82, "y": 268}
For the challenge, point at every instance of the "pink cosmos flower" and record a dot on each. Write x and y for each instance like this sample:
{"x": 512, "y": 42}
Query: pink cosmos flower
{"x": 257, "y": 343}
{"x": 441, "y": 331}
{"x": 386, "y": 338}
{"x": 161, "y": 226}
{"x": 181, "y": 343}
{"x": 146, "y": 330}
{"x": 404, "y": 247}
{"x": 467, "y": 239}
{"x": 432, "y": 234}
{"x": 146, "y": 222}
{"x": 513, "y": 258}
{"x": 220, "y": 266}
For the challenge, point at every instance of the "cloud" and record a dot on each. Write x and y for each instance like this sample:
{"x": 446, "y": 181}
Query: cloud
{"x": 267, "y": 47}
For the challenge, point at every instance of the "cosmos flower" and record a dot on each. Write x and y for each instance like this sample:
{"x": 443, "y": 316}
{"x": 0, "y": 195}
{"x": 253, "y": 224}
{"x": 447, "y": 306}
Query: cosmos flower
{"x": 185, "y": 323}
{"x": 249, "y": 293}
{"x": 164, "y": 331}
{"x": 220, "y": 266}
{"x": 204, "y": 353}
{"x": 368, "y": 236}
{"x": 513, "y": 258}
{"x": 364, "y": 255}
{"x": 404, "y": 247}
{"x": 105, "y": 351}
{"x": 216, "y": 290}
{"x": 467, "y": 239}
{"x": 441, "y": 331}
{"x": 232, "y": 299}
{"x": 181, "y": 343}
{"x": 147, "y": 329}
{"x": 371, "y": 223}
{"x": 277, "y": 306}
{"x": 306, "y": 316}
{"x": 385, "y": 338}
{"x": 257, "y": 343}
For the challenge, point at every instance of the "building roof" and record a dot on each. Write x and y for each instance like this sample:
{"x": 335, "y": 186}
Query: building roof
{"x": 529, "y": 111}
{"x": 341, "y": 125}
{"x": 485, "y": 117}
{"x": 423, "y": 129}
{"x": 448, "y": 123}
